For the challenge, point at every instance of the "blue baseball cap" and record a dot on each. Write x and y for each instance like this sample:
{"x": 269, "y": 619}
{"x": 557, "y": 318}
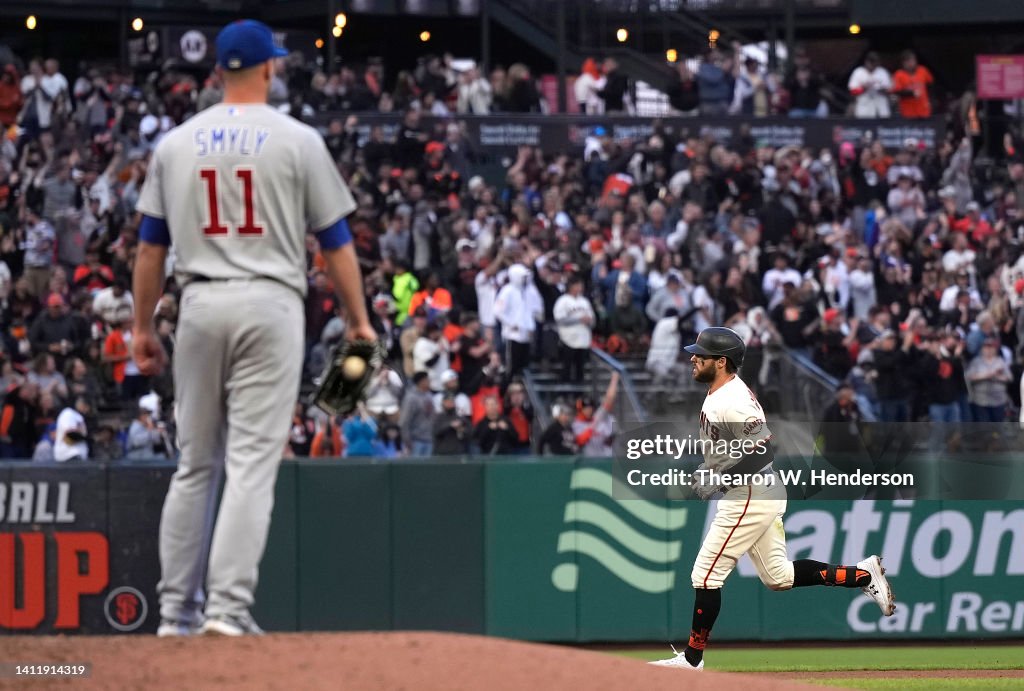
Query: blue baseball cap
{"x": 245, "y": 43}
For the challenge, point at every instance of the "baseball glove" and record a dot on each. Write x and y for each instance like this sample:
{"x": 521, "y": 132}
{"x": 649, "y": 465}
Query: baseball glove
{"x": 348, "y": 372}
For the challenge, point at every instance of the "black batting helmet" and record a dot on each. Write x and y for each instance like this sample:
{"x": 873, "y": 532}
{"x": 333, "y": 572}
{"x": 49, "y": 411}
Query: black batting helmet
{"x": 719, "y": 341}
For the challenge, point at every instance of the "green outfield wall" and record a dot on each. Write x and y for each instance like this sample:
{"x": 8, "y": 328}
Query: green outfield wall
{"x": 526, "y": 548}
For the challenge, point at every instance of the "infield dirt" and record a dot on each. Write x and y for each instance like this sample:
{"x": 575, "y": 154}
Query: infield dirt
{"x": 410, "y": 661}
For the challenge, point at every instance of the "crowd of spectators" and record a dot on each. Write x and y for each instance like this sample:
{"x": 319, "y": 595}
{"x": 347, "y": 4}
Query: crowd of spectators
{"x": 897, "y": 272}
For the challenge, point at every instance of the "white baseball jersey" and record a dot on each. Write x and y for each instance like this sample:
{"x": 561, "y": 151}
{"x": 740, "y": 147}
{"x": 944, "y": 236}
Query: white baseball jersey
{"x": 226, "y": 217}
{"x": 728, "y": 417}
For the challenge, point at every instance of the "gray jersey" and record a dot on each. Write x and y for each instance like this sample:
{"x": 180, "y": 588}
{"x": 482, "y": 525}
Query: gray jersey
{"x": 238, "y": 186}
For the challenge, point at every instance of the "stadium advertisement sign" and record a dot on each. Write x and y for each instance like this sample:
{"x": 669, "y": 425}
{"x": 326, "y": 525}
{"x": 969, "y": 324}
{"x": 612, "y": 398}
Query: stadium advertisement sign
{"x": 499, "y": 134}
{"x": 77, "y": 552}
{"x": 620, "y": 570}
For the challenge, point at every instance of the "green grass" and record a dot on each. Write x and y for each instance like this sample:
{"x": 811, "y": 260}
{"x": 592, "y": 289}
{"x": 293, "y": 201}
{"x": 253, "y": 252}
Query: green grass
{"x": 920, "y": 684}
{"x": 839, "y": 659}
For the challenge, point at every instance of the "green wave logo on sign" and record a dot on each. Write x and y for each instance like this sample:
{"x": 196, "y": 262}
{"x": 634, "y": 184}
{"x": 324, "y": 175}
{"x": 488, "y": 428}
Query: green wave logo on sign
{"x": 625, "y": 545}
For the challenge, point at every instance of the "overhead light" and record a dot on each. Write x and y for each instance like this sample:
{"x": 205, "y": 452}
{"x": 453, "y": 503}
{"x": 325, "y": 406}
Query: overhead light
{"x": 424, "y": 36}
{"x": 336, "y": 31}
{"x": 713, "y": 35}
{"x": 319, "y": 43}
{"x": 31, "y": 22}
{"x": 621, "y": 35}
{"x": 854, "y": 29}
{"x": 137, "y": 24}
{"x": 340, "y": 19}
{"x": 671, "y": 55}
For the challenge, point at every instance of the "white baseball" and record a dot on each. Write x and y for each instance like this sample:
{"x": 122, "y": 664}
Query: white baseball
{"x": 353, "y": 367}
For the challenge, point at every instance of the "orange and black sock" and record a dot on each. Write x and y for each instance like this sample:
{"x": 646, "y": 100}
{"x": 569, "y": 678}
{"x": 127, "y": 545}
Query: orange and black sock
{"x": 707, "y": 603}
{"x": 810, "y": 572}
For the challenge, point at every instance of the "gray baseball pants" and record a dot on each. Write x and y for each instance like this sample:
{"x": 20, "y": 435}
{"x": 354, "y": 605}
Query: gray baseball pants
{"x": 237, "y": 366}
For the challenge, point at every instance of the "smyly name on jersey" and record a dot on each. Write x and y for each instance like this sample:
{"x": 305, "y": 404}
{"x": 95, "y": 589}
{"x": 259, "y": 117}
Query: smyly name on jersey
{"x": 235, "y": 139}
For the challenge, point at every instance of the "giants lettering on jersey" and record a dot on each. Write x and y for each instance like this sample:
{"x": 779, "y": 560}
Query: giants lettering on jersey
{"x": 243, "y": 141}
{"x": 707, "y": 428}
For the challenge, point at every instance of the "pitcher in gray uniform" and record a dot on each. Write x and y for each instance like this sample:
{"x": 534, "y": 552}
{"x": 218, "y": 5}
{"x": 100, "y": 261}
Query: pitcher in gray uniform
{"x": 235, "y": 190}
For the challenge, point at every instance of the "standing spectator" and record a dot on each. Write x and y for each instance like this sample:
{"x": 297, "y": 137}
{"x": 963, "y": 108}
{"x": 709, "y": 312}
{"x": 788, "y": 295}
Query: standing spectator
{"x": 906, "y": 201}
{"x": 411, "y": 141}
{"x": 451, "y": 430}
{"x": 39, "y": 243}
{"x": 145, "y": 436}
{"x": 403, "y": 287}
{"x": 714, "y": 85}
{"x": 672, "y": 296}
{"x": 892, "y": 365}
{"x": 43, "y": 452}
{"x": 44, "y": 374}
{"x": 11, "y": 98}
{"x": 910, "y": 85}
{"x": 587, "y": 88}
{"x": 92, "y": 275}
{"x": 684, "y": 93}
{"x": 72, "y": 434}
{"x": 117, "y": 350}
{"x": 17, "y": 424}
{"x": 300, "y": 435}
{"x": 663, "y": 353}
{"x": 594, "y": 428}
{"x": 112, "y": 303}
{"x": 804, "y": 87}
{"x": 494, "y": 434}
{"x": 522, "y": 93}
{"x": 46, "y": 94}
{"x": 450, "y": 385}
{"x": 410, "y": 335}
{"x": 384, "y": 393}
{"x": 558, "y": 439}
{"x": 474, "y": 354}
{"x": 987, "y": 379}
{"x": 862, "y": 287}
{"x": 82, "y": 382}
{"x": 430, "y": 355}
{"x": 520, "y": 414}
{"x": 105, "y": 445}
{"x": 752, "y": 95}
{"x": 614, "y": 91}
{"x": 360, "y": 431}
{"x": 840, "y": 426}
{"x": 776, "y": 278}
{"x": 417, "y": 416}
{"x": 475, "y": 94}
{"x": 517, "y": 308}
{"x": 940, "y": 371}
{"x": 574, "y": 317}
{"x": 870, "y": 84}
{"x": 795, "y": 320}
{"x": 53, "y": 331}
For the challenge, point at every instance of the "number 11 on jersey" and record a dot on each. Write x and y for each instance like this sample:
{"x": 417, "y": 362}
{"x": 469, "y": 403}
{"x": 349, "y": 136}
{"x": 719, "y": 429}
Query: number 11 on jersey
{"x": 215, "y": 226}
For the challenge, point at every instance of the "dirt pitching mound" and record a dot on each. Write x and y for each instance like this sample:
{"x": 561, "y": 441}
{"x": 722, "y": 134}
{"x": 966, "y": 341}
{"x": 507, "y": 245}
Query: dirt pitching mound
{"x": 410, "y": 661}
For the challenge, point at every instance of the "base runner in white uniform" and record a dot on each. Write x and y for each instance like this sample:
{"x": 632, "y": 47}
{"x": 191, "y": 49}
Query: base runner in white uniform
{"x": 234, "y": 189}
{"x": 749, "y": 515}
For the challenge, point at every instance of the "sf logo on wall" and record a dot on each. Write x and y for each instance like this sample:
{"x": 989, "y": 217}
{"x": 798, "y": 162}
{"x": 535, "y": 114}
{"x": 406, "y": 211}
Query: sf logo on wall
{"x": 125, "y": 608}
{"x": 193, "y": 46}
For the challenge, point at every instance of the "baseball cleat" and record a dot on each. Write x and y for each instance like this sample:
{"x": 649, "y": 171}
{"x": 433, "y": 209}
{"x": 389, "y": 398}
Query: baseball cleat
{"x": 230, "y": 626}
{"x": 878, "y": 589}
{"x": 678, "y": 662}
{"x": 172, "y": 629}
